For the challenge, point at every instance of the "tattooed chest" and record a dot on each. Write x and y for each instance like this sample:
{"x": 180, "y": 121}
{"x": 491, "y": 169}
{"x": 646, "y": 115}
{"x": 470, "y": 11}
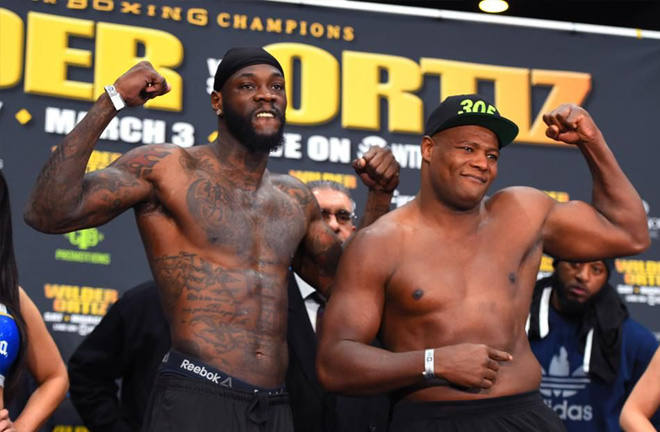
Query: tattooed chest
{"x": 217, "y": 302}
{"x": 246, "y": 221}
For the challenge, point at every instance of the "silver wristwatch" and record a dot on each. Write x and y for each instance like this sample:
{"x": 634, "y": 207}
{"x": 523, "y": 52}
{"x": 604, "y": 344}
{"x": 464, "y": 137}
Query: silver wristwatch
{"x": 115, "y": 97}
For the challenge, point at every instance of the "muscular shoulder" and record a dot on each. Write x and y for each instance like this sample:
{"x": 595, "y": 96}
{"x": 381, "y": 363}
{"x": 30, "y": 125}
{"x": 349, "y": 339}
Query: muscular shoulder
{"x": 520, "y": 199}
{"x": 294, "y": 188}
{"x": 373, "y": 253}
{"x": 521, "y": 194}
{"x": 145, "y": 161}
{"x": 379, "y": 237}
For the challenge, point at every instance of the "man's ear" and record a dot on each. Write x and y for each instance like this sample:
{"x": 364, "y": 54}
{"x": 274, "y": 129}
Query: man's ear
{"x": 216, "y": 102}
{"x": 427, "y": 148}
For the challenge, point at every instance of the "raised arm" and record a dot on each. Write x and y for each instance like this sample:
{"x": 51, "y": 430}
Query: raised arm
{"x": 644, "y": 400}
{"x": 615, "y": 222}
{"x": 319, "y": 251}
{"x": 379, "y": 171}
{"x": 318, "y": 256}
{"x": 64, "y": 197}
{"x": 347, "y": 363}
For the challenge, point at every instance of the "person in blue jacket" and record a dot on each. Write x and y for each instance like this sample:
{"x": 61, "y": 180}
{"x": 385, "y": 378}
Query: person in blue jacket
{"x": 591, "y": 352}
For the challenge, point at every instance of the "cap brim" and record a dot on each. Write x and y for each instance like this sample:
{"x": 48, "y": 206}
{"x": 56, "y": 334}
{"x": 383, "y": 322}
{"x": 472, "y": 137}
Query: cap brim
{"x": 505, "y": 129}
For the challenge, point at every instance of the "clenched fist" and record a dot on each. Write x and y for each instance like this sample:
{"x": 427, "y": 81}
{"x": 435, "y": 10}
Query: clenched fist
{"x": 141, "y": 83}
{"x": 378, "y": 169}
{"x": 571, "y": 124}
{"x": 469, "y": 365}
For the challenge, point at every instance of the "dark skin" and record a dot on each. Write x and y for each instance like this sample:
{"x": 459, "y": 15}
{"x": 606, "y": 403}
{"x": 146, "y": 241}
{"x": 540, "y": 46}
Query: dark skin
{"x": 579, "y": 283}
{"x": 219, "y": 229}
{"x": 461, "y": 277}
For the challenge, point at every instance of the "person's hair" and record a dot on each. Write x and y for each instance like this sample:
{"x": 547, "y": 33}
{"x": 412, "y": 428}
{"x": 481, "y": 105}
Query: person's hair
{"x": 9, "y": 295}
{"x": 333, "y": 185}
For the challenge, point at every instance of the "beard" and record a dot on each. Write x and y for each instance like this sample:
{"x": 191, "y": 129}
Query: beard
{"x": 570, "y": 307}
{"x": 243, "y": 131}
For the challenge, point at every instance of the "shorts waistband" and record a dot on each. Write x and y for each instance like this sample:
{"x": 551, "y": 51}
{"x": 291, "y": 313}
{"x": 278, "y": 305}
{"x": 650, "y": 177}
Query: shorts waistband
{"x": 176, "y": 363}
{"x": 445, "y": 409}
{"x": 172, "y": 382}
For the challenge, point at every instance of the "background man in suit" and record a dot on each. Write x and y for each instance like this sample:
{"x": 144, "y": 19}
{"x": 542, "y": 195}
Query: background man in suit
{"x": 128, "y": 344}
{"x": 315, "y": 410}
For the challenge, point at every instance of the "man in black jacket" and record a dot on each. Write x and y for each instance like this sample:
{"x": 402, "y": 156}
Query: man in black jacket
{"x": 128, "y": 344}
{"x": 315, "y": 410}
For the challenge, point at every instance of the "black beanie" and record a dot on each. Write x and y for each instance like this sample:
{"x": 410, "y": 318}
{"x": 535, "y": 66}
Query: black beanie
{"x": 238, "y": 58}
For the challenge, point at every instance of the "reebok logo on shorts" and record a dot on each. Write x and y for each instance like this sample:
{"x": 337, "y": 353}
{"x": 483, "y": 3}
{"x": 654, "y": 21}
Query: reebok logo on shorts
{"x": 202, "y": 372}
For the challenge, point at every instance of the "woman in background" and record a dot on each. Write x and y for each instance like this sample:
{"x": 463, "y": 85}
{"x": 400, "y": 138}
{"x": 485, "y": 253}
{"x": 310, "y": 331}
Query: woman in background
{"x": 644, "y": 400}
{"x": 24, "y": 341}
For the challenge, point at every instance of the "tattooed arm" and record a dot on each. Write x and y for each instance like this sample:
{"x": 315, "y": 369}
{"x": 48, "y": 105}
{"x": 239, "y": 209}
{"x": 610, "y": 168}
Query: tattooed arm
{"x": 379, "y": 171}
{"x": 64, "y": 197}
{"x": 318, "y": 255}
{"x": 319, "y": 250}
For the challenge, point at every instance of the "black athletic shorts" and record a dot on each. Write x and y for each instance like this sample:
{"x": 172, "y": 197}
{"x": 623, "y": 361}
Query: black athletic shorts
{"x": 190, "y": 396}
{"x": 524, "y": 412}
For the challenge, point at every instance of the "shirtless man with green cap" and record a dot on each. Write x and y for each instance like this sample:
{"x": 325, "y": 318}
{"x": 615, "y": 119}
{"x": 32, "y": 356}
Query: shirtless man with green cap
{"x": 446, "y": 281}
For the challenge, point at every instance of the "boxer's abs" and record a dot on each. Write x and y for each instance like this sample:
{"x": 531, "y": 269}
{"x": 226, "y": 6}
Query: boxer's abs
{"x": 231, "y": 318}
{"x": 489, "y": 319}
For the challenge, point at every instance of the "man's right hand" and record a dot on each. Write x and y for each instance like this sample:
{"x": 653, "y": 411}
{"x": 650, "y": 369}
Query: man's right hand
{"x": 141, "y": 83}
{"x": 469, "y": 365}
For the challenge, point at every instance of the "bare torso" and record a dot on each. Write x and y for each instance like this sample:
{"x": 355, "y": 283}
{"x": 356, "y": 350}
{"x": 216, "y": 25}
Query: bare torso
{"x": 220, "y": 251}
{"x": 451, "y": 287}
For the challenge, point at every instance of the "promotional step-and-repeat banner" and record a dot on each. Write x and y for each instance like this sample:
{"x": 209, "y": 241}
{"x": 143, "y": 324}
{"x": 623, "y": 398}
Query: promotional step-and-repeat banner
{"x": 354, "y": 79}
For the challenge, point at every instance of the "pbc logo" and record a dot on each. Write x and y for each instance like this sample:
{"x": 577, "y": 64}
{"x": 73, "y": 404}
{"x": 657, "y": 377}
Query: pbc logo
{"x": 85, "y": 239}
{"x": 559, "y": 381}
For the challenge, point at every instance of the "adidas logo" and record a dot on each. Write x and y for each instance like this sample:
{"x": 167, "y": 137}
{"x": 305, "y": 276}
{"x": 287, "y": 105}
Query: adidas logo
{"x": 559, "y": 381}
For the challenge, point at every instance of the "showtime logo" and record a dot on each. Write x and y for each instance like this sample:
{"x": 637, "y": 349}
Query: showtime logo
{"x": 559, "y": 384}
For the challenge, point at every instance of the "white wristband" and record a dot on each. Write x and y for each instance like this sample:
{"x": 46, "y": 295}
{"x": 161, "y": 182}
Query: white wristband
{"x": 115, "y": 97}
{"x": 429, "y": 364}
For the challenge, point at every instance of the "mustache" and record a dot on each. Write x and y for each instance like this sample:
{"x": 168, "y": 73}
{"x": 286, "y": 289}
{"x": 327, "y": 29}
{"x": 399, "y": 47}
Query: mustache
{"x": 272, "y": 109}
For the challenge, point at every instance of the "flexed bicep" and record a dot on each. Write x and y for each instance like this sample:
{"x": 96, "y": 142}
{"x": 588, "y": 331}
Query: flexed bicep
{"x": 577, "y": 231}
{"x": 64, "y": 197}
{"x": 103, "y": 195}
{"x": 615, "y": 223}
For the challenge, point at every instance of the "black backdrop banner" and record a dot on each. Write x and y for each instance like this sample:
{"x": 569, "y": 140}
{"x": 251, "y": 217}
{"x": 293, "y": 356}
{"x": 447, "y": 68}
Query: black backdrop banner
{"x": 355, "y": 78}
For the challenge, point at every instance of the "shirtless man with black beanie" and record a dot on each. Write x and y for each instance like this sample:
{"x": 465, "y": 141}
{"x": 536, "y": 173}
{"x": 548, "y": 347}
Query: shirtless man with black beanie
{"x": 220, "y": 232}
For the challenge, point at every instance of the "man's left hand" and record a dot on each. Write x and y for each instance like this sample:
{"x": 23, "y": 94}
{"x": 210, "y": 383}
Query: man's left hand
{"x": 378, "y": 169}
{"x": 571, "y": 124}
